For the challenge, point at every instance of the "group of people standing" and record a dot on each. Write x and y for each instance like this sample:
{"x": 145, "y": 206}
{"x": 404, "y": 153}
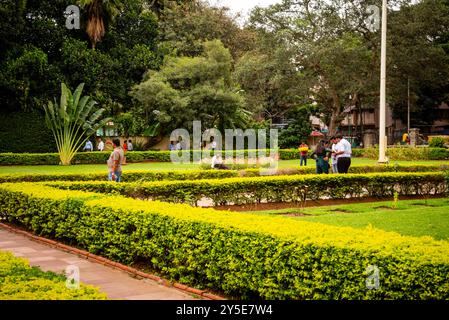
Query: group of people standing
{"x": 127, "y": 145}
{"x": 336, "y": 153}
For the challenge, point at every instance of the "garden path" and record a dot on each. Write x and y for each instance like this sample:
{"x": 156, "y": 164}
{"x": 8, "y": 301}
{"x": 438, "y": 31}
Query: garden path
{"x": 116, "y": 284}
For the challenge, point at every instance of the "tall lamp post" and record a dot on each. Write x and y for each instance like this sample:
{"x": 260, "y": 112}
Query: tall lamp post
{"x": 383, "y": 72}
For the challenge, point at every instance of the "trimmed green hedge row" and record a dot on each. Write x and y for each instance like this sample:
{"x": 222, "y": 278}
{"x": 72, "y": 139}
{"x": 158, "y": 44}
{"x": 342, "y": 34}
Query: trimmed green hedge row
{"x": 408, "y": 153}
{"x": 273, "y": 189}
{"x": 242, "y": 255}
{"x": 159, "y": 175}
{"x": 164, "y": 156}
{"x": 135, "y": 176}
{"x": 19, "y": 281}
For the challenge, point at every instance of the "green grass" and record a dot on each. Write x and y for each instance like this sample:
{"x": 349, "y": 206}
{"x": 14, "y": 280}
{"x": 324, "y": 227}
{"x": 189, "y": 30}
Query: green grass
{"x": 92, "y": 168}
{"x": 411, "y": 217}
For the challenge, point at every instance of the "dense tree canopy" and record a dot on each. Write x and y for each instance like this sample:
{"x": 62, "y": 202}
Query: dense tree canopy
{"x": 158, "y": 65}
{"x": 187, "y": 89}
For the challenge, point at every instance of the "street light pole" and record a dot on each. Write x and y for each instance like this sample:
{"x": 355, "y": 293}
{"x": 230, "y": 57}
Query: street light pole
{"x": 408, "y": 105}
{"x": 383, "y": 62}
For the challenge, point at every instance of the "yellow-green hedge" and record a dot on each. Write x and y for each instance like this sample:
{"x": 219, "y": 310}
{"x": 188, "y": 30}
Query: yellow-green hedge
{"x": 159, "y": 175}
{"x": 273, "y": 188}
{"x": 19, "y": 281}
{"x": 243, "y": 255}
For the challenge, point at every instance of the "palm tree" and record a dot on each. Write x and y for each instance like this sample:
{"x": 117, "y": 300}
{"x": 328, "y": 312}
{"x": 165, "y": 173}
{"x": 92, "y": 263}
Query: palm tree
{"x": 99, "y": 13}
{"x": 72, "y": 121}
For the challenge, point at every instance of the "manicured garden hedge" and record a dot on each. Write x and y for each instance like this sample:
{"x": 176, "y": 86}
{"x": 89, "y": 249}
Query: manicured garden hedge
{"x": 164, "y": 156}
{"x": 25, "y": 132}
{"x": 408, "y": 153}
{"x": 19, "y": 281}
{"x": 273, "y": 188}
{"x": 242, "y": 255}
{"x": 158, "y": 175}
{"x": 139, "y": 176}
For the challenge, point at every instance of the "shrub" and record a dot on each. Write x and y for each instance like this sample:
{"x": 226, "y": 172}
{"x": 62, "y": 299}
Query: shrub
{"x": 155, "y": 175}
{"x": 25, "y": 132}
{"x": 243, "y": 255}
{"x": 436, "y": 142}
{"x": 19, "y": 281}
{"x": 273, "y": 189}
{"x": 409, "y": 153}
{"x": 158, "y": 175}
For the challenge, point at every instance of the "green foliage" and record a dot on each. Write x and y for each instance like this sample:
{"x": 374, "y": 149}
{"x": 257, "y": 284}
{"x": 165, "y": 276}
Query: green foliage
{"x": 187, "y": 89}
{"x": 25, "y": 132}
{"x": 244, "y": 170}
{"x": 185, "y": 26}
{"x": 409, "y": 153}
{"x": 164, "y": 156}
{"x": 73, "y": 121}
{"x": 436, "y": 142}
{"x": 243, "y": 255}
{"x": 299, "y": 127}
{"x": 19, "y": 281}
{"x": 39, "y": 52}
{"x": 291, "y": 188}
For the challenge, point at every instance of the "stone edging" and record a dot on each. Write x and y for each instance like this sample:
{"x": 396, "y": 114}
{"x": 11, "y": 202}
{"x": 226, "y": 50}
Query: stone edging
{"x": 89, "y": 256}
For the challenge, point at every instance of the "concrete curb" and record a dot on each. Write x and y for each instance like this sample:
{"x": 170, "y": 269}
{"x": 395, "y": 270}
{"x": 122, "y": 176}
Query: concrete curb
{"x": 101, "y": 260}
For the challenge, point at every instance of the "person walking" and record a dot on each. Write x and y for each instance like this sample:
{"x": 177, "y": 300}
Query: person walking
{"x": 88, "y": 146}
{"x": 125, "y": 149}
{"x": 100, "y": 146}
{"x": 343, "y": 152}
{"x": 321, "y": 155}
{"x": 304, "y": 150}
{"x": 130, "y": 145}
{"x": 333, "y": 156}
{"x": 115, "y": 162}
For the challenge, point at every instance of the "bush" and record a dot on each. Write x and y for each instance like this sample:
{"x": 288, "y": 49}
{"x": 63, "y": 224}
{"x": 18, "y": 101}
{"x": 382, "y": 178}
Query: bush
{"x": 273, "y": 189}
{"x": 19, "y": 281}
{"x": 243, "y": 255}
{"x": 25, "y": 132}
{"x": 436, "y": 142}
{"x": 409, "y": 153}
{"x": 159, "y": 175}
{"x": 80, "y": 158}
{"x": 164, "y": 156}
{"x": 155, "y": 175}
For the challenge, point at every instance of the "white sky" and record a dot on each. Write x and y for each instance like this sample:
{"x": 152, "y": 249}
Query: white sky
{"x": 243, "y": 6}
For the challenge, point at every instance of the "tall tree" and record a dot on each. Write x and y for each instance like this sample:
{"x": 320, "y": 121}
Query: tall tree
{"x": 333, "y": 49}
{"x": 184, "y": 27}
{"x": 99, "y": 13}
{"x": 187, "y": 89}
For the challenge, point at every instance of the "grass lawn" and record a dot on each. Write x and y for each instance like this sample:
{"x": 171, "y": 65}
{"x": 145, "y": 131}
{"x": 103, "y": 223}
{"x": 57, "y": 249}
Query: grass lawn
{"x": 411, "y": 217}
{"x": 171, "y": 166}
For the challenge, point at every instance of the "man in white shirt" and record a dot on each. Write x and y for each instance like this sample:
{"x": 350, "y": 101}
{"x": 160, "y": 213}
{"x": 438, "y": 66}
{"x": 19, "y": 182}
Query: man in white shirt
{"x": 213, "y": 143}
{"x": 217, "y": 162}
{"x": 88, "y": 146}
{"x": 130, "y": 145}
{"x": 100, "y": 146}
{"x": 343, "y": 152}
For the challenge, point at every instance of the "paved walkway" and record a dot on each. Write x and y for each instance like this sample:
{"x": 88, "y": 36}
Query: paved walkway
{"x": 115, "y": 283}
